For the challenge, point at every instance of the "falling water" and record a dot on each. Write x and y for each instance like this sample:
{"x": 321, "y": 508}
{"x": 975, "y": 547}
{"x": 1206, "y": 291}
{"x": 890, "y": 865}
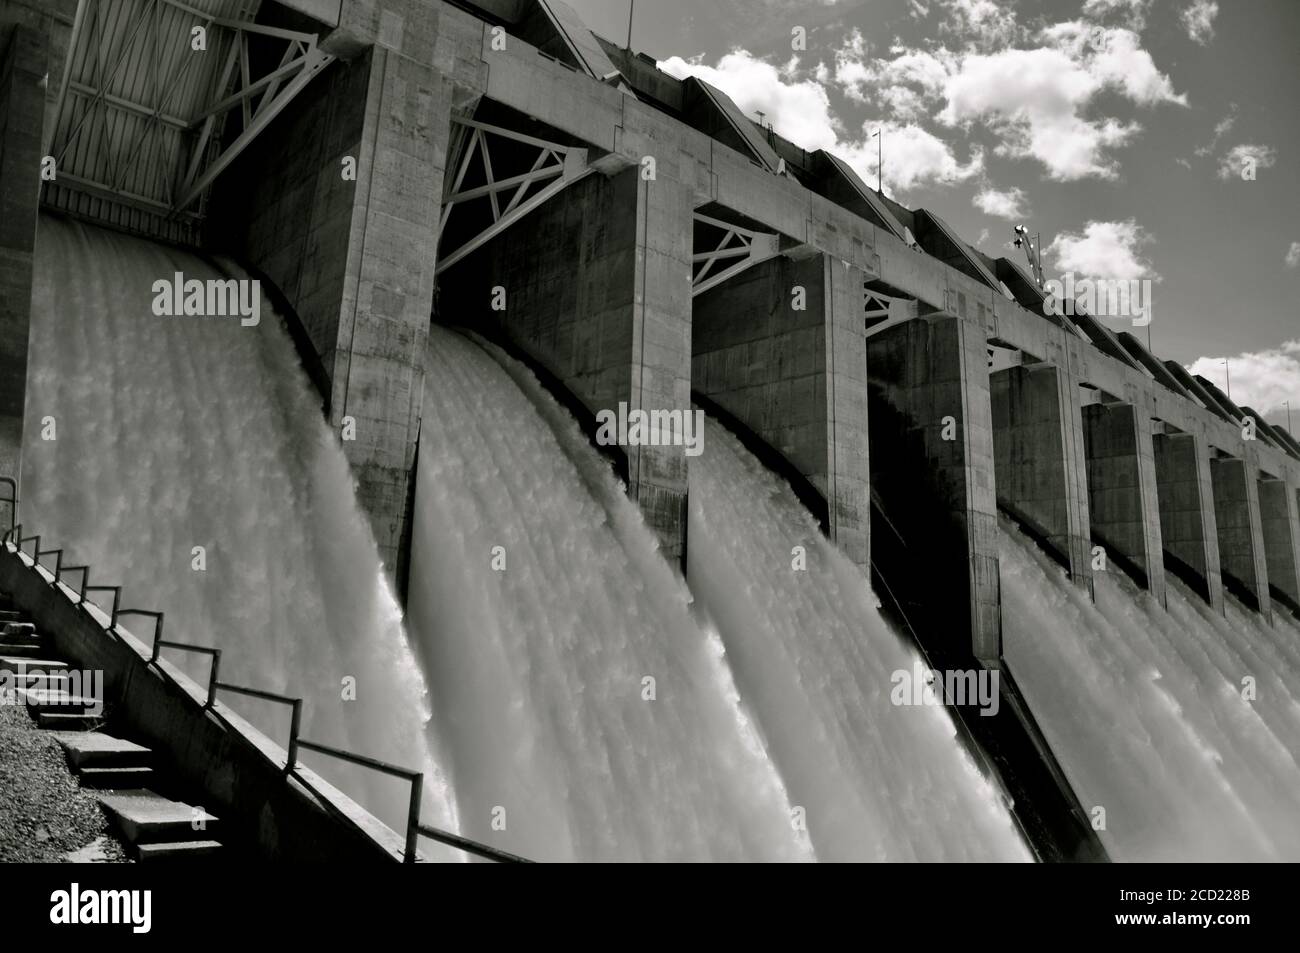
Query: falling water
{"x": 171, "y": 433}
{"x": 814, "y": 660}
{"x": 1145, "y": 710}
{"x": 585, "y": 714}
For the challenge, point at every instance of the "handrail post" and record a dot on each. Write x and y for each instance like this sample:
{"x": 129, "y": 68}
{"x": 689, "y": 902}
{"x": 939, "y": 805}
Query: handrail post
{"x": 212, "y": 678}
{"x": 295, "y": 724}
{"x": 413, "y": 818}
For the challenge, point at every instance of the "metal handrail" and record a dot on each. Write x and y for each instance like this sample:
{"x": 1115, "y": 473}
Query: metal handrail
{"x": 414, "y": 827}
{"x": 58, "y": 563}
{"x": 295, "y": 718}
{"x": 471, "y": 847}
{"x": 197, "y": 650}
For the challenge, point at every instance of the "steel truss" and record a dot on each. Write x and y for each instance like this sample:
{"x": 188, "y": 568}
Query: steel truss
{"x": 742, "y": 247}
{"x": 508, "y": 198}
{"x": 170, "y": 122}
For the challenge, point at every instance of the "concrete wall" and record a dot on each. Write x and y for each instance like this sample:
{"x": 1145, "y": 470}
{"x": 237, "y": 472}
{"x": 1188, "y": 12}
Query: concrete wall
{"x": 1188, "y": 529}
{"x": 597, "y": 286}
{"x": 1241, "y": 537}
{"x": 796, "y": 378}
{"x": 285, "y": 207}
{"x": 1122, "y": 496}
{"x": 932, "y": 466}
{"x": 239, "y": 770}
{"x": 1280, "y": 527}
{"x": 24, "y": 56}
{"x": 356, "y": 258}
{"x": 1040, "y": 462}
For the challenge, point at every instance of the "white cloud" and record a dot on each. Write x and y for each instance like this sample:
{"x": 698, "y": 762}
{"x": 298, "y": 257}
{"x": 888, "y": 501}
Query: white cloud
{"x": 1198, "y": 20}
{"x": 913, "y": 157}
{"x": 986, "y": 22}
{"x": 1237, "y": 160}
{"x": 1133, "y": 13}
{"x": 1104, "y": 250}
{"x": 1037, "y": 101}
{"x": 1263, "y": 380}
{"x": 799, "y": 109}
{"x": 1221, "y": 129}
{"x": 1008, "y": 204}
{"x": 1293, "y": 255}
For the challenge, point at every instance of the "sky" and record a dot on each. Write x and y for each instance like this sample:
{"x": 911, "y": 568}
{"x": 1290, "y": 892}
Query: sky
{"x": 1143, "y": 139}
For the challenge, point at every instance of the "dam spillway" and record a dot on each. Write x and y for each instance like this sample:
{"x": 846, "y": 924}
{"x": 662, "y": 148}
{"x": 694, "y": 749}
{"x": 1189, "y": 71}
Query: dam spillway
{"x": 189, "y": 459}
{"x": 613, "y": 235}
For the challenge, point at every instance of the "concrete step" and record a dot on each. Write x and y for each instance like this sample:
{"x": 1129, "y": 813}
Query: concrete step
{"x": 178, "y": 850}
{"x": 23, "y": 632}
{"x": 20, "y": 649}
{"x": 145, "y": 817}
{"x": 39, "y": 701}
{"x": 116, "y": 778}
{"x": 14, "y": 663}
{"x": 102, "y": 750}
{"x": 68, "y": 721}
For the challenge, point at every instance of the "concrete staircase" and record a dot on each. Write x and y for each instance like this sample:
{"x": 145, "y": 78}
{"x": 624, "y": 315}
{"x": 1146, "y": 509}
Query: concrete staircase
{"x": 137, "y": 793}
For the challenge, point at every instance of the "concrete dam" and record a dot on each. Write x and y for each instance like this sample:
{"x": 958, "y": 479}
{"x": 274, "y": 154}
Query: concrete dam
{"x": 632, "y": 482}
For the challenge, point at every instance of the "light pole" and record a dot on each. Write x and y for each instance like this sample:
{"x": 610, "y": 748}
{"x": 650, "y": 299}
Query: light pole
{"x": 1227, "y": 377}
{"x": 879, "y": 136}
{"x": 631, "y": 7}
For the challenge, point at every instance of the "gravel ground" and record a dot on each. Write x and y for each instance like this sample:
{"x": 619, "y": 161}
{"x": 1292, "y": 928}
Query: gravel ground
{"x": 44, "y": 814}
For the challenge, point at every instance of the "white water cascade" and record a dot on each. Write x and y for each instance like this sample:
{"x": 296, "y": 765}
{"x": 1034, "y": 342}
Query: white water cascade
{"x": 586, "y": 715}
{"x": 1146, "y": 710}
{"x": 171, "y": 433}
{"x": 814, "y": 660}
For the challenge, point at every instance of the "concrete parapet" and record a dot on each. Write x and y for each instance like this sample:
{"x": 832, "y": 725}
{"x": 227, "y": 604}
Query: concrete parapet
{"x": 1188, "y": 529}
{"x": 795, "y": 376}
{"x": 932, "y": 468}
{"x": 1122, "y": 493}
{"x": 1041, "y": 467}
{"x": 1241, "y": 536}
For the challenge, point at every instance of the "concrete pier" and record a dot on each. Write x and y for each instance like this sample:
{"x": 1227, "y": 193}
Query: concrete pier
{"x": 1039, "y": 453}
{"x": 23, "y": 56}
{"x": 597, "y": 291}
{"x": 795, "y": 376}
{"x": 356, "y": 256}
{"x": 1188, "y": 530}
{"x": 1241, "y": 535}
{"x": 932, "y": 466}
{"x": 1280, "y": 526}
{"x": 1122, "y": 491}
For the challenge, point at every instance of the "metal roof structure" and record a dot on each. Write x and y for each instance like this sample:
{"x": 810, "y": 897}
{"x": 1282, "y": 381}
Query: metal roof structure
{"x": 144, "y": 102}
